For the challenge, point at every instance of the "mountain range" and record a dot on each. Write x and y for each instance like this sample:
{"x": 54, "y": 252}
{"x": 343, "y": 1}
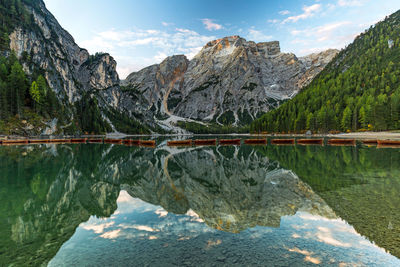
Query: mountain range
{"x": 231, "y": 81}
{"x": 50, "y": 85}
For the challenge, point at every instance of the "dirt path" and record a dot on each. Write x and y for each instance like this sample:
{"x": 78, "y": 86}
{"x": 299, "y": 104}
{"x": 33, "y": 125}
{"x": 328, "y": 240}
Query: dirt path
{"x": 370, "y": 135}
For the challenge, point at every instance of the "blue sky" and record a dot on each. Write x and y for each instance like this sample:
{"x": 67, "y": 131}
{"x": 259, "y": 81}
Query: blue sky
{"x": 139, "y": 33}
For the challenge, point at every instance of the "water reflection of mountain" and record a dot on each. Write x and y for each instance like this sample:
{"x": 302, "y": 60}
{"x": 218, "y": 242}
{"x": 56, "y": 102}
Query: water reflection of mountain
{"x": 47, "y": 191}
{"x": 360, "y": 184}
{"x": 45, "y": 194}
{"x": 230, "y": 188}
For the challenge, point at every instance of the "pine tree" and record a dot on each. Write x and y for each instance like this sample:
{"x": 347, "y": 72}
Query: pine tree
{"x": 346, "y": 119}
{"x": 18, "y": 87}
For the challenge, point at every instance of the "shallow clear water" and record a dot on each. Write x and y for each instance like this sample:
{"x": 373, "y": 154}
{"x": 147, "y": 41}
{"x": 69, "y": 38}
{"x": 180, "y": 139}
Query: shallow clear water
{"x": 91, "y": 205}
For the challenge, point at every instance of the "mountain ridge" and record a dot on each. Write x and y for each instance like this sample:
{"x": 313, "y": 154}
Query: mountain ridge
{"x": 230, "y": 81}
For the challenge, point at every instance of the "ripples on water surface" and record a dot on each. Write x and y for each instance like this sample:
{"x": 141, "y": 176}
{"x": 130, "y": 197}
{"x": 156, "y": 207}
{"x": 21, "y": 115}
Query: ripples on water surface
{"x": 88, "y": 205}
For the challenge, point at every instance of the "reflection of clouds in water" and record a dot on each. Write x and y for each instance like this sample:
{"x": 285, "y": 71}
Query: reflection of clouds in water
{"x": 184, "y": 238}
{"x": 296, "y": 236}
{"x": 111, "y": 234}
{"x": 308, "y": 255}
{"x": 213, "y": 243}
{"x": 332, "y": 232}
{"x": 136, "y": 219}
{"x": 166, "y": 224}
{"x": 161, "y": 212}
{"x": 194, "y": 215}
{"x": 128, "y": 204}
{"x": 311, "y": 217}
{"x": 259, "y": 232}
{"x": 96, "y": 226}
{"x": 325, "y": 235}
{"x": 138, "y": 227}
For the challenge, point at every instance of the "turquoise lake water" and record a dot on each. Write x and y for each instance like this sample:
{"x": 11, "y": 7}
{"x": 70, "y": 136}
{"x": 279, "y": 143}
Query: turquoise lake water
{"x": 113, "y": 205}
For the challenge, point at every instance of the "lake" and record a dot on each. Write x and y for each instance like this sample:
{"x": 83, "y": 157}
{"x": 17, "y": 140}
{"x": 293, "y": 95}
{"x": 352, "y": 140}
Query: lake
{"x": 114, "y": 205}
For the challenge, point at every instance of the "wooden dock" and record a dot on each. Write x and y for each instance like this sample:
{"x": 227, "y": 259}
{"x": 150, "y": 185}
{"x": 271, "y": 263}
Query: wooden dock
{"x": 205, "y": 142}
{"x": 282, "y": 141}
{"x": 255, "y": 141}
{"x": 310, "y": 141}
{"x": 230, "y": 142}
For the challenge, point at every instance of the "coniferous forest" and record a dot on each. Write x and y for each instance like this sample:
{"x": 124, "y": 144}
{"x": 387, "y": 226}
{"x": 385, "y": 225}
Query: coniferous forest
{"x": 358, "y": 90}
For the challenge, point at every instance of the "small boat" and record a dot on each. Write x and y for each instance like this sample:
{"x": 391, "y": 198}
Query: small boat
{"x": 282, "y": 141}
{"x": 255, "y": 141}
{"x": 341, "y": 142}
{"x": 130, "y": 142}
{"x": 78, "y": 140}
{"x": 310, "y": 141}
{"x": 112, "y": 141}
{"x": 388, "y": 143}
{"x": 370, "y": 142}
{"x": 147, "y": 143}
{"x": 227, "y": 142}
{"x": 15, "y": 142}
{"x": 58, "y": 141}
{"x": 95, "y": 141}
{"x": 205, "y": 142}
{"x": 180, "y": 143}
{"x": 39, "y": 141}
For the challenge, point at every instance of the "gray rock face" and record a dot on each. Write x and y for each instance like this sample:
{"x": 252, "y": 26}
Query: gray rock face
{"x": 155, "y": 89}
{"x": 230, "y": 80}
{"x": 69, "y": 70}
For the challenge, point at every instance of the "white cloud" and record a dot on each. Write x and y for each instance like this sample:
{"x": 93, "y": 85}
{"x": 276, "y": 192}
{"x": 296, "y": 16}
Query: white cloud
{"x": 309, "y": 11}
{"x": 166, "y": 24}
{"x": 284, "y": 12}
{"x": 332, "y": 35}
{"x": 210, "y": 25}
{"x": 350, "y": 3}
{"x": 273, "y": 21}
{"x": 257, "y": 36}
{"x": 160, "y": 56}
{"x": 155, "y": 44}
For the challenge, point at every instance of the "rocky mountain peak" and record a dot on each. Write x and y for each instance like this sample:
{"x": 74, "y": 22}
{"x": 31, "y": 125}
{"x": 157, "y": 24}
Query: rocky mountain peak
{"x": 227, "y": 45}
{"x": 230, "y": 81}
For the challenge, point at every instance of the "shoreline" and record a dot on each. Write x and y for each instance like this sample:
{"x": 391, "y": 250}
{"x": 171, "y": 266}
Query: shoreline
{"x": 355, "y": 135}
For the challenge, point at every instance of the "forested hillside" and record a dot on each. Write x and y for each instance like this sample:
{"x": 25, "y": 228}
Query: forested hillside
{"x": 24, "y": 96}
{"x": 359, "y": 89}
